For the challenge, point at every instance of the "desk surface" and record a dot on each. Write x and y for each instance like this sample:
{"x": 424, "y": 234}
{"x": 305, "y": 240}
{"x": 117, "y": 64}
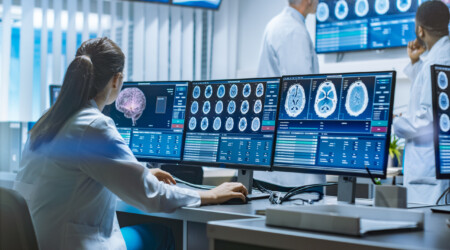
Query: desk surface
{"x": 255, "y": 232}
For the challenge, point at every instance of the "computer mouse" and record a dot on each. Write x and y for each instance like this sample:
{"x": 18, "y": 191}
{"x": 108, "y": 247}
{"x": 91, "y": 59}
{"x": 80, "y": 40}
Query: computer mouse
{"x": 236, "y": 201}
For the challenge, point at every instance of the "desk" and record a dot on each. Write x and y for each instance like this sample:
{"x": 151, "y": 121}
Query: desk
{"x": 254, "y": 234}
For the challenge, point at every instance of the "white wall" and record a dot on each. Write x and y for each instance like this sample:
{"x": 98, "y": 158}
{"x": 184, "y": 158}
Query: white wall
{"x": 255, "y": 14}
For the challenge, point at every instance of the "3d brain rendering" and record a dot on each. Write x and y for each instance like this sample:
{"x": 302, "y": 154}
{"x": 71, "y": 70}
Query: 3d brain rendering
{"x": 131, "y": 102}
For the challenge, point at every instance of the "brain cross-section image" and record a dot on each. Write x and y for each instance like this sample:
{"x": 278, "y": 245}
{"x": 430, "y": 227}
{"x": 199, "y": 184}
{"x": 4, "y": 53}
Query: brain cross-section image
{"x": 357, "y": 98}
{"x": 295, "y": 100}
{"x": 326, "y": 99}
{"x": 131, "y": 102}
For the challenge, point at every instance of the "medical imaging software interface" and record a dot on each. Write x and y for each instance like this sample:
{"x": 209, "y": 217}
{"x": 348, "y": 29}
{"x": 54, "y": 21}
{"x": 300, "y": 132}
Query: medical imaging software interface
{"x": 54, "y": 93}
{"x": 150, "y": 118}
{"x": 345, "y": 25}
{"x": 232, "y": 121}
{"x": 334, "y": 122}
{"x": 441, "y": 96}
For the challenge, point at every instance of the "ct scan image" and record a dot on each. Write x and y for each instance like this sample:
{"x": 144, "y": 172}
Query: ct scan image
{"x": 326, "y": 99}
{"x": 295, "y": 100}
{"x": 357, "y": 98}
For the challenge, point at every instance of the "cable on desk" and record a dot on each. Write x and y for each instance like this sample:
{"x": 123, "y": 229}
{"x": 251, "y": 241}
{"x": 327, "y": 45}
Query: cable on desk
{"x": 444, "y": 194}
{"x": 204, "y": 187}
{"x": 276, "y": 198}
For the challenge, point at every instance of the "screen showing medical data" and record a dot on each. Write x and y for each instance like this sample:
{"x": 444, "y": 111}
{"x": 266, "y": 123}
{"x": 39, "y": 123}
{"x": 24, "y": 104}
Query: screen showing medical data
{"x": 347, "y": 25}
{"x": 54, "y": 93}
{"x": 441, "y": 103}
{"x": 209, "y": 4}
{"x": 150, "y": 118}
{"x": 334, "y": 123}
{"x": 232, "y": 122}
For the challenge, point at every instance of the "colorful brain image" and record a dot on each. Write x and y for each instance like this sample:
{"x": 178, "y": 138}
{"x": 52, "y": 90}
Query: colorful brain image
{"x": 357, "y": 99}
{"x": 131, "y": 102}
{"x": 326, "y": 99}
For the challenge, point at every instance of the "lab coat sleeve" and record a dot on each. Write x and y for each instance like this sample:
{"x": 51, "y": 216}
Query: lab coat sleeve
{"x": 412, "y": 70}
{"x": 106, "y": 158}
{"x": 421, "y": 123}
{"x": 295, "y": 54}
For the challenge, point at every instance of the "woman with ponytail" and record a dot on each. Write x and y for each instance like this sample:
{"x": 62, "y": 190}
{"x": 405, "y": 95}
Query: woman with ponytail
{"x": 76, "y": 164}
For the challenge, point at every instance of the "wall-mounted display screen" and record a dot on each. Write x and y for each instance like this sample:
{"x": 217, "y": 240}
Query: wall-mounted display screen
{"x": 209, "y": 4}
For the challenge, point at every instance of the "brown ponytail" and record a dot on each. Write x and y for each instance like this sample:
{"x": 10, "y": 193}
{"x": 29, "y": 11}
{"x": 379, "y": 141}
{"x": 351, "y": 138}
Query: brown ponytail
{"x": 96, "y": 62}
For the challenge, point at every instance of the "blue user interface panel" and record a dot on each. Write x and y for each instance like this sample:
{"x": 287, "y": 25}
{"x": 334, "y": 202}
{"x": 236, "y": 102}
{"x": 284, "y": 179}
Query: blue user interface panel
{"x": 208, "y": 4}
{"x": 347, "y": 25}
{"x": 54, "y": 93}
{"x": 232, "y": 122}
{"x": 150, "y": 118}
{"x": 335, "y": 124}
{"x": 441, "y": 91}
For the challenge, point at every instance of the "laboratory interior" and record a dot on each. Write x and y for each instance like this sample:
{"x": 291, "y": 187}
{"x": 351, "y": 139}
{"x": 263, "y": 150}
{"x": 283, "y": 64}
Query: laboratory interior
{"x": 224, "y": 124}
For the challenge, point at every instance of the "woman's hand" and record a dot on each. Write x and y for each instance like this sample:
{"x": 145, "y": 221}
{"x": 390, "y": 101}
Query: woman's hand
{"x": 224, "y": 192}
{"x": 163, "y": 176}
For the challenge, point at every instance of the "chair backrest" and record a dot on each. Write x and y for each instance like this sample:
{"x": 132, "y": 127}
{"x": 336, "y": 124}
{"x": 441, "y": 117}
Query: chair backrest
{"x": 16, "y": 227}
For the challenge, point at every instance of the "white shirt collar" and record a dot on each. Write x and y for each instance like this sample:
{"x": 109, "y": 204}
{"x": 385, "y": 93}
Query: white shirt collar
{"x": 435, "y": 50}
{"x": 93, "y": 103}
{"x": 295, "y": 14}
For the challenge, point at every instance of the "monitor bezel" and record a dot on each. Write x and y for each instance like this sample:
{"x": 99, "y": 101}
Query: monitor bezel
{"x": 230, "y": 165}
{"x": 434, "y": 99}
{"x": 155, "y": 159}
{"x": 309, "y": 169}
{"x": 51, "y": 88}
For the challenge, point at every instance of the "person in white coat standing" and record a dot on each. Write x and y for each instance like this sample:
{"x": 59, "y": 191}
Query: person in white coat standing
{"x": 432, "y": 46}
{"x": 76, "y": 164}
{"x": 287, "y": 49}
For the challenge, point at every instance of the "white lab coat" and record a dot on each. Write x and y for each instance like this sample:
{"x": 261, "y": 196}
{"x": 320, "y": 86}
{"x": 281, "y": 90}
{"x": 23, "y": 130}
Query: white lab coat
{"x": 71, "y": 184}
{"x": 287, "y": 49}
{"x": 416, "y": 126}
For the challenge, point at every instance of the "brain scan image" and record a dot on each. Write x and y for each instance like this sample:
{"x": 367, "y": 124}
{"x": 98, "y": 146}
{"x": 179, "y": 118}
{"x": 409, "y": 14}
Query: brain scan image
{"x": 381, "y": 6}
{"x": 322, "y": 12}
{"x": 206, "y": 107}
{"x": 229, "y": 124}
{"x": 204, "y": 123}
{"x": 361, "y": 7}
{"x": 208, "y": 91}
{"x": 196, "y": 92}
{"x": 245, "y": 106}
{"x": 341, "y": 10}
{"x": 444, "y": 123}
{"x": 256, "y": 124}
{"x": 443, "y": 101}
{"x": 221, "y": 91}
{"x": 242, "y": 124}
{"x": 326, "y": 99}
{"x": 131, "y": 102}
{"x": 357, "y": 98}
{"x": 257, "y": 108}
{"x": 231, "y": 107}
{"x": 259, "y": 90}
{"x": 217, "y": 123}
{"x": 442, "y": 80}
{"x": 247, "y": 90}
{"x": 403, "y": 5}
{"x": 219, "y": 107}
{"x": 295, "y": 100}
{"x": 192, "y": 123}
{"x": 233, "y": 91}
{"x": 194, "y": 107}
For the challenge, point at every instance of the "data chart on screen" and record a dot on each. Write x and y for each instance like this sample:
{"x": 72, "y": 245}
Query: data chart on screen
{"x": 231, "y": 122}
{"x": 150, "y": 118}
{"x": 334, "y": 123}
{"x": 441, "y": 91}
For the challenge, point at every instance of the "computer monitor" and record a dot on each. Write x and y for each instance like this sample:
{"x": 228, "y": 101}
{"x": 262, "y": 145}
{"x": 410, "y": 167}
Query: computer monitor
{"x": 364, "y": 24}
{"x": 335, "y": 123}
{"x": 150, "y": 118}
{"x": 231, "y": 123}
{"x": 440, "y": 76}
{"x": 54, "y": 93}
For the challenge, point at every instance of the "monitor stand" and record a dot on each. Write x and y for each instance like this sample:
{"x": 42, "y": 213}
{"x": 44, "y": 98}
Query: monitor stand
{"x": 246, "y": 177}
{"x": 346, "y": 189}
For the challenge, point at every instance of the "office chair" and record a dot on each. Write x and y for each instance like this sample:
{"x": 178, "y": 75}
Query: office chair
{"x": 16, "y": 227}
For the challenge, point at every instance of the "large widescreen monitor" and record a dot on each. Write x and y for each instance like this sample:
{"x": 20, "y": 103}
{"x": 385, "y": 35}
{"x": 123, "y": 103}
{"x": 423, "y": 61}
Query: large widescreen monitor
{"x": 150, "y": 118}
{"x": 344, "y": 25}
{"x": 335, "y": 123}
{"x": 208, "y": 4}
{"x": 440, "y": 76}
{"x": 54, "y": 93}
{"x": 231, "y": 123}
